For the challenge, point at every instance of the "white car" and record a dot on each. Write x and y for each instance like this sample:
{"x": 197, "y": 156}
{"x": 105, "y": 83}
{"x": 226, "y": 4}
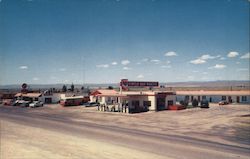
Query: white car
{"x": 36, "y": 104}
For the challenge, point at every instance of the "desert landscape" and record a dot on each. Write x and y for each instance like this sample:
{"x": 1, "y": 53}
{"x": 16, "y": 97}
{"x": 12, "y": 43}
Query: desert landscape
{"x": 54, "y": 131}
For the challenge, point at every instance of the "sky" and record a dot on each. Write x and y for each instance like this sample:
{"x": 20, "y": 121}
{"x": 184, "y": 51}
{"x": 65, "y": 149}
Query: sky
{"x": 103, "y": 41}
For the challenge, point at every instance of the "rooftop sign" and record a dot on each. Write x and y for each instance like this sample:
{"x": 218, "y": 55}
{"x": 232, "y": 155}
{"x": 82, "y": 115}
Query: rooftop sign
{"x": 125, "y": 84}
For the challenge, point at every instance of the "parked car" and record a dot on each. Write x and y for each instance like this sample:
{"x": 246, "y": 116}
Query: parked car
{"x": 36, "y": 104}
{"x": 223, "y": 102}
{"x": 91, "y": 104}
{"x": 176, "y": 107}
{"x": 17, "y": 102}
{"x": 25, "y": 104}
{"x": 204, "y": 104}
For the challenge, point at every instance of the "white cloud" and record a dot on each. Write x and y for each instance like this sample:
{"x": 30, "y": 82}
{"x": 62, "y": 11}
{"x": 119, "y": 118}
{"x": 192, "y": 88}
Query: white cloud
{"x": 232, "y": 54}
{"x": 35, "y": 78}
{"x": 171, "y": 53}
{"x": 203, "y": 59}
{"x": 195, "y": 71}
{"x": 246, "y": 56}
{"x": 23, "y": 67}
{"x": 218, "y": 66}
{"x": 114, "y": 63}
{"x": 125, "y": 62}
{"x": 140, "y": 76}
{"x": 127, "y": 68}
{"x": 155, "y": 61}
{"x": 145, "y": 60}
{"x": 207, "y": 56}
{"x": 198, "y": 61}
{"x": 102, "y": 66}
{"x": 62, "y": 69}
{"x": 138, "y": 63}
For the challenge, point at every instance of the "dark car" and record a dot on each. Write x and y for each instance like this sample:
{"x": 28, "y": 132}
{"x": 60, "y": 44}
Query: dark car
{"x": 91, "y": 104}
{"x": 204, "y": 104}
{"x": 223, "y": 102}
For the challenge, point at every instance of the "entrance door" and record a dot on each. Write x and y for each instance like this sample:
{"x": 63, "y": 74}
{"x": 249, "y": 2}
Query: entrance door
{"x": 161, "y": 102}
{"x": 238, "y": 99}
{"x": 230, "y": 99}
{"x": 135, "y": 108}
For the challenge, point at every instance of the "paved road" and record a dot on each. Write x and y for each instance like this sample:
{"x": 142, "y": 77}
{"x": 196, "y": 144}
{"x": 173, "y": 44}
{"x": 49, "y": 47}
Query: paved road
{"x": 163, "y": 145}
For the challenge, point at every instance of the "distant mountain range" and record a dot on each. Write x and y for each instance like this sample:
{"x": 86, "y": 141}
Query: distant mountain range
{"x": 168, "y": 84}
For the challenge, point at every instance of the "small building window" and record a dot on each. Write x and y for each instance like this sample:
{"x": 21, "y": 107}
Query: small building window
{"x": 203, "y": 97}
{"x": 109, "y": 99}
{"x": 135, "y": 102}
{"x": 170, "y": 102}
{"x": 146, "y": 103}
{"x": 223, "y": 98}
{"x": 244, "y": 98}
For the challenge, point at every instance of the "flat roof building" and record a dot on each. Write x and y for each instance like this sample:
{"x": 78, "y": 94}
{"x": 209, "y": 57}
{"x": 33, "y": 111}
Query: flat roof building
{"x": 215, "y": 96}
{"x": 135, "y": 101}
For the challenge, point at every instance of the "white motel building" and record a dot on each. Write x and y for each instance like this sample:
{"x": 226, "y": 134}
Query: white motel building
{"x": 215, "y": 96}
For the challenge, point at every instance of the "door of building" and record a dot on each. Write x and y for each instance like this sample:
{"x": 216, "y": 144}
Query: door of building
{"x": 135, "y": 108}
{"x": 238, "y": 99}
{"x": 230, "y": 99}
{"x": 161, "y": 102}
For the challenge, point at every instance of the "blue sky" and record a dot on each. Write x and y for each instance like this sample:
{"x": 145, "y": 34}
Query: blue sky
{"x": 102, "y": 41}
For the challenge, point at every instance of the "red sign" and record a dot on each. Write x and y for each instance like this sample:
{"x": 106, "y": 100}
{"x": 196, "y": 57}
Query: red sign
{"x": 125, "y": 83}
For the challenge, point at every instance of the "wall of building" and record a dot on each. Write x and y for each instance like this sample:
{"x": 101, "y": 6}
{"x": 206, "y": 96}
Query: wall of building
{"x": 216, "y": 98}
{"x": 141, "y": 99}
{"x": 104, "y": 100}
{"x": 153, "y": 103}
{"x": 55, "y": 97}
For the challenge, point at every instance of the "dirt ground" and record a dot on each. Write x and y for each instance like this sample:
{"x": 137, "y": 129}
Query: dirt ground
{"x": 55, "y": 145}
{"x": 228, "y": 124}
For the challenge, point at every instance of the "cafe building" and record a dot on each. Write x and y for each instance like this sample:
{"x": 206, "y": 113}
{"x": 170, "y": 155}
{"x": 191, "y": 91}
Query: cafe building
{"x": 135, "y": 101}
